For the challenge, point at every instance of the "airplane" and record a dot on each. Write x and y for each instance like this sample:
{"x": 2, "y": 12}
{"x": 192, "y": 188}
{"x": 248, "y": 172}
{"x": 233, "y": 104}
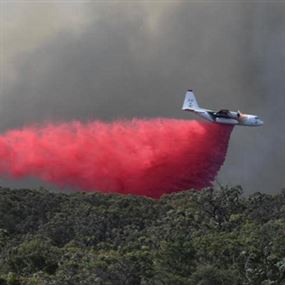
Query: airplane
{"x": 221, "y": 117}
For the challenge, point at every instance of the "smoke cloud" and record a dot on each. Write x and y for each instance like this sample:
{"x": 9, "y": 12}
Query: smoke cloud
{"x": 142, "y": 157}
{"x": 69, "y": 60}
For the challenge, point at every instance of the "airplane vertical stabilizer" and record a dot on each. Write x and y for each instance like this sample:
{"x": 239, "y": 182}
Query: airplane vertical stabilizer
{"x": 190, "y": 102}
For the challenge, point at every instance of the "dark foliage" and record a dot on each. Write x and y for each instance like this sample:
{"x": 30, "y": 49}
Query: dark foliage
{"x": 210, "y": 237}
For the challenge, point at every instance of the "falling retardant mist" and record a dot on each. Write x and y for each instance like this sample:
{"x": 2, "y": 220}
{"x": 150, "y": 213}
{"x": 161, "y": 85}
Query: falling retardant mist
{"x": 140, "y": 157}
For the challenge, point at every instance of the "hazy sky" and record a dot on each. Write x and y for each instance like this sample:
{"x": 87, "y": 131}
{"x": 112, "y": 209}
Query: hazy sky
{"x": 64, "y": 60}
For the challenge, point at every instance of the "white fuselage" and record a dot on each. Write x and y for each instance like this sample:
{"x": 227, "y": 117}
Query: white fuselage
{"x": 221, "y": 117}
{"x": 235, "y": 118}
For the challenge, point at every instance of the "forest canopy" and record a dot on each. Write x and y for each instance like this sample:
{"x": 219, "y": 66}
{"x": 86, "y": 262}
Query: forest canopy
{"x": 214, "y": 236}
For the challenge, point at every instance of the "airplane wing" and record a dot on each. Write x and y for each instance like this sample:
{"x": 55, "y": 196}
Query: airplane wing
{"x": 226, "y": 114}
{"x": 223, "y": 112}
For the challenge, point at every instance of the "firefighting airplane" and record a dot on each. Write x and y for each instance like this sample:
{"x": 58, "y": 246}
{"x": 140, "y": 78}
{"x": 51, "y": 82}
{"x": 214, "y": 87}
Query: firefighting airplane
{"x": 221, "y": 117}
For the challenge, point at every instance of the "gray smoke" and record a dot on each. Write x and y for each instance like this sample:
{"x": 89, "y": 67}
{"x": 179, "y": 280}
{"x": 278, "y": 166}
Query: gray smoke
{"x": 71, "y": 61}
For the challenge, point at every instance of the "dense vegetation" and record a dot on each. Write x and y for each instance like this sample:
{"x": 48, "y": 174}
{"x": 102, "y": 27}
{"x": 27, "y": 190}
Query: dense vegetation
{"x": 201, "y": 238}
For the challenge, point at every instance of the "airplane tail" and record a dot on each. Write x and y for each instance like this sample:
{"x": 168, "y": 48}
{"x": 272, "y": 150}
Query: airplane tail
{"x": 190, "y": 102}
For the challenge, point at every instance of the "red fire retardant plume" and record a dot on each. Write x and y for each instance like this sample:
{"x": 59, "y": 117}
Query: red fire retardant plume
{"x": 142, "y": 157}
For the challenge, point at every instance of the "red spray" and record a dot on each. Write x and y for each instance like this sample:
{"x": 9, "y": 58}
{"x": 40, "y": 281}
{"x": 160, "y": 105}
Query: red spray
{"x": 141, "y": 157}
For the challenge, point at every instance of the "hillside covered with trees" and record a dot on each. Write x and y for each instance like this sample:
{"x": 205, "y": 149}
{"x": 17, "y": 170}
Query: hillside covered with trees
{"x": 210, "y": 237}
